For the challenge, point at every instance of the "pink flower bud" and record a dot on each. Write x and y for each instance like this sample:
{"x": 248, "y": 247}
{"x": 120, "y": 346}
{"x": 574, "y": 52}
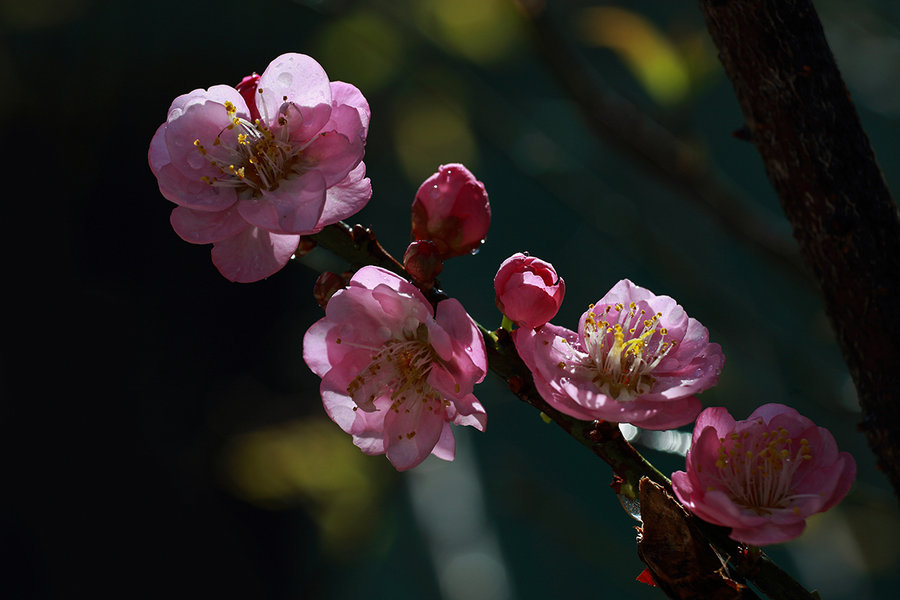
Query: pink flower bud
{"x": 762, "y": 476}
{"x": 326, "y": 285}
{"x": 306, "y": 245}
{"x": 247, "y": 89}
{"x": 423, "y": 262}
{"x": 451, "y": 209}
{"x": 529, "y": 292}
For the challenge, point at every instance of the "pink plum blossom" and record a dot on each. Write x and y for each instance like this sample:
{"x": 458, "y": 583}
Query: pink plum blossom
{"x": 452, "y": 210}
{"x": 395, "y": 372}
{"x": 528, "y": 290}
{"x": 636, "y": 358}
{"x": 255, "y": 167}
{"x": 762, "y": 476}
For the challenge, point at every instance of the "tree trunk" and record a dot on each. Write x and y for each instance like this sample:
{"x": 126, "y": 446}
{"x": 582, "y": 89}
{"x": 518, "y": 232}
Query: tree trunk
{"x": 819, "y": 161}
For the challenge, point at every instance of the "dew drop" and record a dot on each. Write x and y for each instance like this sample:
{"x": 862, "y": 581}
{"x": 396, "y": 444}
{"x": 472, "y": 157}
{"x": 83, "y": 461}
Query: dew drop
{"x": 284, "y": 79}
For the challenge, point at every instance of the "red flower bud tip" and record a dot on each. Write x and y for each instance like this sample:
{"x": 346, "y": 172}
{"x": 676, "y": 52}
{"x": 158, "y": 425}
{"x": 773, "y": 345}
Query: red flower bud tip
{"x": 326, "y": 285}
{"x": 247, "y": 89}
{"x": 423, "y": 262}
{"x": 451, "y": 209}
{"x": 529, "y": 292}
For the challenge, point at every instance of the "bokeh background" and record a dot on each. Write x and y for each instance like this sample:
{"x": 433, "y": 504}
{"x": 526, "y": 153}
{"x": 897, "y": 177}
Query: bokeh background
{"x": 161, "y": 434}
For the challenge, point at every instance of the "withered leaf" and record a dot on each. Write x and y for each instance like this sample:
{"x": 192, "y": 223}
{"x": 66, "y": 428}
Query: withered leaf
{"x": 682, "y": 562}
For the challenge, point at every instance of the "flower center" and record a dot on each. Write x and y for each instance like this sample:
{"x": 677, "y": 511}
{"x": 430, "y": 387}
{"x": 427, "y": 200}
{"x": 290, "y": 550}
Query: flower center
{"x": 399, "y": 368}
{"x": 757, "y": 471}
{"x": 255, "y": 157}
{"x": 623, "y": 347}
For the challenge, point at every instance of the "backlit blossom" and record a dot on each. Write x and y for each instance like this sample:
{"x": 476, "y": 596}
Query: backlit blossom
{"x": 762, "y": 476}
{"x": 528, "y": 290}
{"x": 396, "y": 373}
{"x": 452, "y": 210}
{"x": 636, "y": 358}
{"x": 254, "y": 168}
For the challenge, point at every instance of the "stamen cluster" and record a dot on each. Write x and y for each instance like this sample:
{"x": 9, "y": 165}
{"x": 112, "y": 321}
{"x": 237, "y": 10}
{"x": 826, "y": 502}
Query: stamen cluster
{"x": 622, "y": 356}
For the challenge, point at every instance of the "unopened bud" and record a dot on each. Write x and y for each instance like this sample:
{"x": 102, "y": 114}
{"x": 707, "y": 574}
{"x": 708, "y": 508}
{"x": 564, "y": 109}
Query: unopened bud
{"x": 306, "y": 245}
{"x": 247, "y": 89}
{"x": 423, "y": 262}
{"x": 326, "y": 285}
{"x": 529, "y": 292}
{"x": 452, "y": 210}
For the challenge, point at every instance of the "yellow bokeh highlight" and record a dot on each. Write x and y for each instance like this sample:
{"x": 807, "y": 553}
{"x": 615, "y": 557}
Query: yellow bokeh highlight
{"x": 361, "y": 47}
{"x": 430, "y": 131}
{"x": 651, "y": 57}
{"x": 309, "y": 462}
{"x": 479, "y": 30}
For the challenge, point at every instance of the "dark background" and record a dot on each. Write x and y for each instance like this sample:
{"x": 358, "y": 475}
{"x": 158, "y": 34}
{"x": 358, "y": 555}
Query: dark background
{"x": 161, "y": 434}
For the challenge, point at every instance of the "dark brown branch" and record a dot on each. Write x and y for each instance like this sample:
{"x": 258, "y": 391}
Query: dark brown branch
{"x": 359, "y": 246}
{"x": 818, "y": 159}
{"x": 661, "y": 153}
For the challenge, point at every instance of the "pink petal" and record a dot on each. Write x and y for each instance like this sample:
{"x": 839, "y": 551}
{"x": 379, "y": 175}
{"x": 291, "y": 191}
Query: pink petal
{"x": 716, "y": 417}
{"x": 200, "y": 227}
{"x": 333, "y": 156}
{"x": 302, "y": 122}
{"x": 768, "y": 533}
{"x": 452, "y": 317}
{"x": 345, "y": 94}
{"x": 295, "y": 78}
{"x": 253, "y": 254}
{"x": 409, "y": 437}
{"x": 346, "y": 198}
{"x": 445, "y": 449}
{"x": 667, "y": 415}
{"x": 293, "y": 208}
{"x": 317, "y": 341}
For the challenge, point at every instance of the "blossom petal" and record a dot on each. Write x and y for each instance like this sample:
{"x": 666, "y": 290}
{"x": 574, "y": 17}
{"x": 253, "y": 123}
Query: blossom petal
{"x": 346, "y": 198}
{"x": 292, "y": 78}
{"x": 345, "y": 94}
{"x": 201, "y": 227}
{"x": 445, "y": 449}
{"x": 253, "y": 254}
{"x": 295, "y": 207}
{"x": 411, "y": 434}
{"x": 333, "y": 156}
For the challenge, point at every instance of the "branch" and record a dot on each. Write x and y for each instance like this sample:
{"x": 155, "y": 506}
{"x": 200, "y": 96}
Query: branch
{"x": 819, "y": 161}
{"x": 657, "y": 150}
{"x": 359, "y": 246}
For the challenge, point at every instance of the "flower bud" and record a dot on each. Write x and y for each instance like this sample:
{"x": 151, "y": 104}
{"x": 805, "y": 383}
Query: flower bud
{"x": 451, "y": 209}
{"x": 327, "y": 284}
{"x": 529, "y": 292}
{"x": 247, "y": 89}
{"x": 423, "y": 262}
{"x": 306, "y": 245}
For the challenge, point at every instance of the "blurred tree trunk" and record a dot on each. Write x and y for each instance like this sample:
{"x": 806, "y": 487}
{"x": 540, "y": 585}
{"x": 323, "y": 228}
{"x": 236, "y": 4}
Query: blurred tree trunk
{"x": 819, "y": 161}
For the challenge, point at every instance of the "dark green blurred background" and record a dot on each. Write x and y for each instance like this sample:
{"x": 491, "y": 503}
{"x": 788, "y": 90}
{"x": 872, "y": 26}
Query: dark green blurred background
{"x": 162, "y": 436}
